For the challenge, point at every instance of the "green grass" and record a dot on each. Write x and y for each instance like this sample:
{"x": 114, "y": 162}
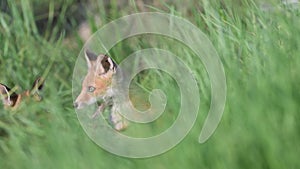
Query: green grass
{"x": 260, "y": 126}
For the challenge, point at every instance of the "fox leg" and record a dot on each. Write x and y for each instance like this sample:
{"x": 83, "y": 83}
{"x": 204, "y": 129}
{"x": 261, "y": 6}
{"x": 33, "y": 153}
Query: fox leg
{"x": 118, "y": 121}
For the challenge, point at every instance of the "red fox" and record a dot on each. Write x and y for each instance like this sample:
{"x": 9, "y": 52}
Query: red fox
{"x": 12, "y": 100}
{"x": 97, "y": 84}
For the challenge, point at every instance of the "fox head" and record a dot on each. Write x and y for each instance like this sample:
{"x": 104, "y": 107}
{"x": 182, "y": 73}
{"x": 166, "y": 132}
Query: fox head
{"x": 97, "y": 82}
{"x": 12, "y": 99}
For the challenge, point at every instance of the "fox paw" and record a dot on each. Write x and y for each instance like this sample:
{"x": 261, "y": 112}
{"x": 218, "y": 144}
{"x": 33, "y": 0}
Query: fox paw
{"x": 118, "y": 122}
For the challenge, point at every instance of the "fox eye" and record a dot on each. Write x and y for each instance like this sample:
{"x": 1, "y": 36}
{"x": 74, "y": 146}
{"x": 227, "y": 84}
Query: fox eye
{"x": 91, "y": 89}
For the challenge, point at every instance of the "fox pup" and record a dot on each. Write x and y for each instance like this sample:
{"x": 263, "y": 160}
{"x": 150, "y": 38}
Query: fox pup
{"x": 97, "y": 84}
{"x": 12, "y": 100}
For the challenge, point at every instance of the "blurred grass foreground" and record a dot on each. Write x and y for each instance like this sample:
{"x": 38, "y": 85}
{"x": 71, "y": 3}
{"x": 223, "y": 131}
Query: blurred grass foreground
{"x": 258, "y": 43}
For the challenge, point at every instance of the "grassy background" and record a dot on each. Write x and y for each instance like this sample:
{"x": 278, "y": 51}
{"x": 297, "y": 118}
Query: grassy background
{"x": 259, "y": 50}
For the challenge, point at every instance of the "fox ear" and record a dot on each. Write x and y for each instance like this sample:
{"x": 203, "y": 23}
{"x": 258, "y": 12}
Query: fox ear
{"x": 104, "y": 64}
{"x": 108, "y": 63}
{"x": 4, "y": 93}
{"x": 38, "y": 84}
{"x": 90, "y": 58}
